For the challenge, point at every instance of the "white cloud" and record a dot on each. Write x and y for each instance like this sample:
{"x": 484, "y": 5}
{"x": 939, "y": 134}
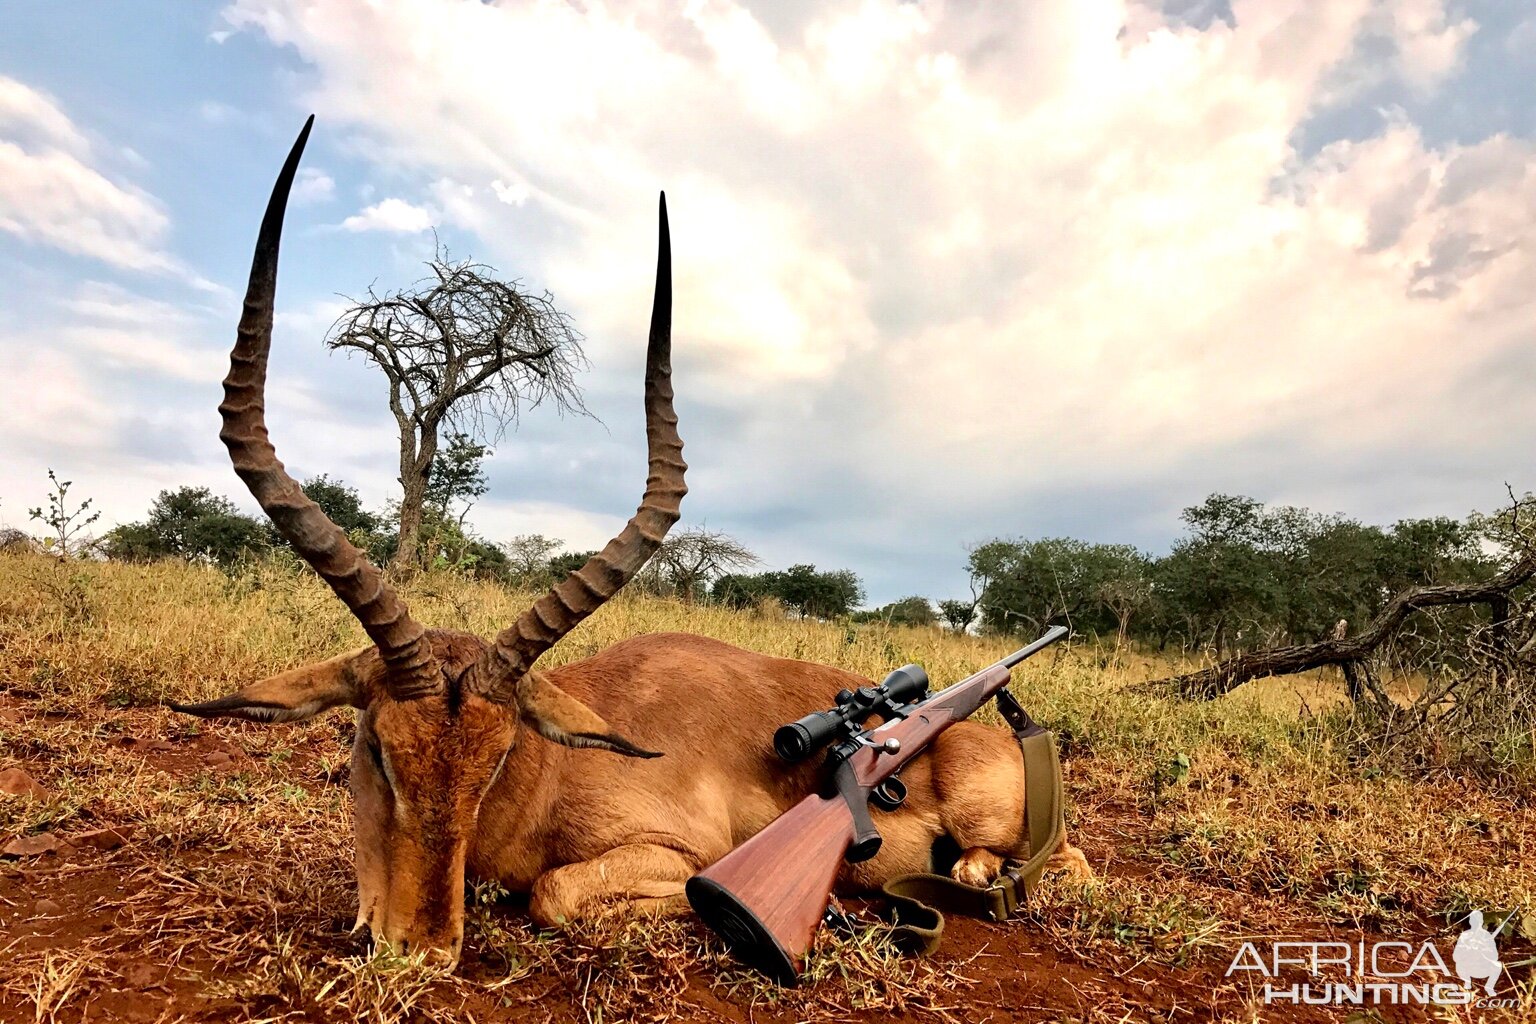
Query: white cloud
{"x": 313, "y": 186}
{"x": 116, "y": 330}
{"x": 313, "y": 320}
{"x": 26, "y": 110}
{"x": 45, "y": 403}
{"x": 118, "y": 391}
{"x": 579, "y": 529}
{"x": 215, "y": 112}
{"x": 56, "y": 200}
{"x": 391, "y": 215}
{"x": 513, "y": 195}
{"x": 51, "y": 194}
{"x": 1429, "y": 44}
{"x": 988, "y": 249}
{"x": 114, "y": 390}
{"x": 1416, "y": 42}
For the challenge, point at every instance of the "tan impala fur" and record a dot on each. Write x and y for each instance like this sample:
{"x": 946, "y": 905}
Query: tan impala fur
{"x": 467, "y": 761}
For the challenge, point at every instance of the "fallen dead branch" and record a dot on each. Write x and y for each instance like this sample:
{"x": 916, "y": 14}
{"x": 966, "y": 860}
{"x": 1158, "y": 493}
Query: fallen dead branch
{"x": 1225, "y": 676}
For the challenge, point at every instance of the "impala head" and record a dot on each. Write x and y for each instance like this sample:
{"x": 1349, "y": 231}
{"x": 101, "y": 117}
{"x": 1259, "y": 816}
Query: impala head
{"x": 438, "y": 711}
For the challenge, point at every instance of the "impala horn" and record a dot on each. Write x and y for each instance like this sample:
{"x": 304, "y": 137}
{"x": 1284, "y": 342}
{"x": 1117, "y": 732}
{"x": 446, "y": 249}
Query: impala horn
{"x": 580, "y": 594}
{"x": 412, "y": 669}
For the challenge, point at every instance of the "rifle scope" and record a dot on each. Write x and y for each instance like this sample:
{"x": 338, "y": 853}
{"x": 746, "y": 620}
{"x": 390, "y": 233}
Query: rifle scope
{"x": 800, "y": 739}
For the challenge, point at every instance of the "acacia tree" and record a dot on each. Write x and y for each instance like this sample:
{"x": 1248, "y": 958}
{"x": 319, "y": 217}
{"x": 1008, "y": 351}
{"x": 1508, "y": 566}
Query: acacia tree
{"x": 190, "y": 523}
{"x": 1124, "y": 594}
{"x": 1035, "y": 583}
{"x": 462, "y": 350}
{"x": 529, "y": 556}
{"x": 823, "y": 595}
{"x": 341, "y": 504}
{"x": 741, "y": 591}
{"x": 458, "y": 479}
{"x": 690, "y": 560}
{"x": 915, "y": 610}
{"x": 958, "y": 615}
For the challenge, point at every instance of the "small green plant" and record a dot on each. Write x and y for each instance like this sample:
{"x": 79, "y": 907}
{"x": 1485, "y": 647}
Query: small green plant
{"x": 1166, "y": 774}
{"x": 132, "y": 686}
{"x": 70, "y": 591}
{"x": 57, "y": 516}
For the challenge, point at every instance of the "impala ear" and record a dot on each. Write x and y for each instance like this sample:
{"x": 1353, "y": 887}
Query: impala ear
{"x": 297, "y": 694}
{"x": 561, "y": 718}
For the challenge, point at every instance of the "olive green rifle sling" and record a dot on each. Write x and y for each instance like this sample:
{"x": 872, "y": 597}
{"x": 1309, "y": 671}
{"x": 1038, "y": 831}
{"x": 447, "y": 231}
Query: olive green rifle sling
{"x": 916, "y": 903}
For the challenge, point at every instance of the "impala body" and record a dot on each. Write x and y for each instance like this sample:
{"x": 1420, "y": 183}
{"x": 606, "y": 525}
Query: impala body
{"x": 601, "y": 784}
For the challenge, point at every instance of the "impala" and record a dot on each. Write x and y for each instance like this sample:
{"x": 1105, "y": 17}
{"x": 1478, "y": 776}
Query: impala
{"x": 599, "y": 784}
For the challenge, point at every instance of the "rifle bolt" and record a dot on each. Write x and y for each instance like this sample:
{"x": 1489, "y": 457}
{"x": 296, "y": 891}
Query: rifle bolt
{"x": 891, "y": 746}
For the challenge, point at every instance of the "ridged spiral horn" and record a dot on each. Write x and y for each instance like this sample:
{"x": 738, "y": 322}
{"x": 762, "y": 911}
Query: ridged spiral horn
{"x": 515, "y": 649}
{"x": 412, "y": 669}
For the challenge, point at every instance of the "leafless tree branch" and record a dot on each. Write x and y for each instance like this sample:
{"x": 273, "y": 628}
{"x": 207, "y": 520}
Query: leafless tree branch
{"x": 461, "y": 350}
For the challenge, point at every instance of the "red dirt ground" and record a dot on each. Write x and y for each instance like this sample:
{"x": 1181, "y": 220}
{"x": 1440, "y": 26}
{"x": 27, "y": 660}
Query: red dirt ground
{"x": 1020, "y": 972}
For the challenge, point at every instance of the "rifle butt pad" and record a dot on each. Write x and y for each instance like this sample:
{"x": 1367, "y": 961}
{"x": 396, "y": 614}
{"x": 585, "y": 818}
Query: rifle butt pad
{"x": 743, "y": 932}
{"x": 767, "y": 897}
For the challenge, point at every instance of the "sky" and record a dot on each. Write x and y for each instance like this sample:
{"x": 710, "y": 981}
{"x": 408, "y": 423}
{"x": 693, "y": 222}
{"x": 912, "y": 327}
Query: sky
{"x": 945, "y": 271}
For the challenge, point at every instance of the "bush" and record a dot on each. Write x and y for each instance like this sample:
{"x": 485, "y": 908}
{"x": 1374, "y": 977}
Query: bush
{"x": 189, "y": 523}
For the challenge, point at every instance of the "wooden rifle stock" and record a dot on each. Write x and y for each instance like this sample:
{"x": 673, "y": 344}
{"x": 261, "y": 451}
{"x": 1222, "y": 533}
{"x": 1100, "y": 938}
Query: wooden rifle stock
{"x": 767, "y": 897}
{"x": 768, "y": 915}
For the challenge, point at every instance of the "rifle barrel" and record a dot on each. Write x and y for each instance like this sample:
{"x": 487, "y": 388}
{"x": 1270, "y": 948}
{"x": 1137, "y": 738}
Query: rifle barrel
{"x": 1051, "y": 636}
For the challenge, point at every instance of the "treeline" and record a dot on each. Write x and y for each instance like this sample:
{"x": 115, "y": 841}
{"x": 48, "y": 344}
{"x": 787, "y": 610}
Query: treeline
{"x": 822, "y": 595}
{"x": 194, "y": 524}
{"x": 694, "y": 564}
{"x": 1242, "y": 576}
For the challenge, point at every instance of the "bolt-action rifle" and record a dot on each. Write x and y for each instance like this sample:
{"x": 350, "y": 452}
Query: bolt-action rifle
{"x": 767, "y": 897}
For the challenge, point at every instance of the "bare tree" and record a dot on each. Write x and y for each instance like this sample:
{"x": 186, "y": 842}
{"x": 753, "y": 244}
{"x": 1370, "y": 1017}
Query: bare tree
{"x": 17, "y": 542}
{"x": 462, "y": 349}
{"x": 528, "y": 556}
{"x": 689, "y": 560}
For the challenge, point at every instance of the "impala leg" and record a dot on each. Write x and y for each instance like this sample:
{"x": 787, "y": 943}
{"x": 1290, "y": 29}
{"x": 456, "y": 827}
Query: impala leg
{"x": 979, "y": 777}
{"x": 638, "y": 880}
{"x": 979, "y": 866}
{"x": 1070, "y": 859}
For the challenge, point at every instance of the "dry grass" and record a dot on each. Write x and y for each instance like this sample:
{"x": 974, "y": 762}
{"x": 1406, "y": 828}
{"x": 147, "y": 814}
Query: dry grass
{"x": 1210, "y": 824}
